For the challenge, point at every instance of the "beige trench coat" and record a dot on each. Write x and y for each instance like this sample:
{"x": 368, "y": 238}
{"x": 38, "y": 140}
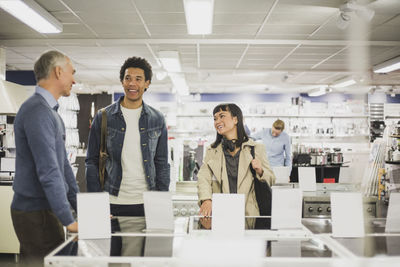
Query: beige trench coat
{"x": 213, "y": 174}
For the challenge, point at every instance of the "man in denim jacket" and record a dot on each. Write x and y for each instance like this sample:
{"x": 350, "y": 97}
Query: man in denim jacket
{"x": 136, "y": 145}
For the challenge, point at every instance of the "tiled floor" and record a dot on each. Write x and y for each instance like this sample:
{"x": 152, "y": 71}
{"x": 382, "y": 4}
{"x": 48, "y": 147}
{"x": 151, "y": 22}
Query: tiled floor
{"x": 8, "y": 260}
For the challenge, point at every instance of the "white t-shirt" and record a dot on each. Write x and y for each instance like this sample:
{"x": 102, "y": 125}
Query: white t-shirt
{"x": 133, "y": 182}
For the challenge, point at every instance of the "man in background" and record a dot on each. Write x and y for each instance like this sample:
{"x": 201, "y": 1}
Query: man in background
{"x": 44, "y": 185}
{"x": 136, "y": 145}
{"x": 277, "y": 144}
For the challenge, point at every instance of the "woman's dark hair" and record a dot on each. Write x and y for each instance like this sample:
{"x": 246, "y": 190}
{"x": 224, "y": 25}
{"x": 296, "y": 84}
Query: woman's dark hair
{"x": 137, "y": 62}
{"x": 235, "y": 112}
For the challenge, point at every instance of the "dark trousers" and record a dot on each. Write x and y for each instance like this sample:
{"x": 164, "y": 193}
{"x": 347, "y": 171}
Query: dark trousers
{"x": 127, "y": 210}
{"x": 38, "y": 232}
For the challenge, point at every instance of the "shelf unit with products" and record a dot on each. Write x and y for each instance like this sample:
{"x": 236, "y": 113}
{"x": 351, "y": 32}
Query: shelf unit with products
{"x": 393, "y": 148}
{"x": 278, "y": 116}
{"x": 317, "y": 121}
{"x": 318, "y": 125}
{"x": 392, "y": 133}
{"x": 68, "y": 111}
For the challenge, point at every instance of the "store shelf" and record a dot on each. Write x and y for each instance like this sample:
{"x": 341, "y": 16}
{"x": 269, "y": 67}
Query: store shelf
{"x": 194, "y": 115}
{"x": 281, "y": 116}
{"x": 171, "y": 132}
{"x": 328, "y": 136}
{"x": 392, "y": 117}
{"x": 392, "y": 162}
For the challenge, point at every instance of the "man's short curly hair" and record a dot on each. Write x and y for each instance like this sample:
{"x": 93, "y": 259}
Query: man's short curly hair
{"x": 136, "y": 62}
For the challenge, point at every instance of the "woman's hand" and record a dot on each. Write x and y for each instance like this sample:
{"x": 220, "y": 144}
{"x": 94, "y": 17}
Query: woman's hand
{"x": 256, "y": 164}
{"x": 205, "y": 222}
{"x": 205, "y": 208}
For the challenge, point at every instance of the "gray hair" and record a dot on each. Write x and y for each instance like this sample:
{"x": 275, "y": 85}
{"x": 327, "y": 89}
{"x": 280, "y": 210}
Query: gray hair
{"x": 47, "y": 62}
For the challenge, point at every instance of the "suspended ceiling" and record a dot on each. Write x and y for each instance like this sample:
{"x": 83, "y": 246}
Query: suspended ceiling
{"x": 269, "y": 46}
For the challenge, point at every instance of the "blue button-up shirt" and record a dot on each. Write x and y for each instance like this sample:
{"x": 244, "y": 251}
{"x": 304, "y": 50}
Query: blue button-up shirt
{"x": 154, "y": 147}
{"x": 277, "y": 147}
{"x": 43, "y": 175}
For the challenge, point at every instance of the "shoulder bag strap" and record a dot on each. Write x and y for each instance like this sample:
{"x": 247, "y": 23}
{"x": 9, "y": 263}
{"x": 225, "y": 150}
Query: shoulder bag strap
{"x": 103, "y": 145}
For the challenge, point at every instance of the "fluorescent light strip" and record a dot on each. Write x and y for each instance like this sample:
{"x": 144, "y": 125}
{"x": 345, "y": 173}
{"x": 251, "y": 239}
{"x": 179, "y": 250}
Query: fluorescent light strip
{"x": 171, "y": 64}
{"x": 317, "y": 92}
{"x": 170, "y": 61}
{"x": 32, "y": 15}
{"x": 179, "y": 83}
{"x": 344, "y": 83}
{"x": 388, "y": 66}
{"x": 199, "y": 16}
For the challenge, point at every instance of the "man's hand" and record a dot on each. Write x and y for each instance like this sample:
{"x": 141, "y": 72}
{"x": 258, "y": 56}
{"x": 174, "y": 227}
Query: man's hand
{"x": 73, "y": 227}
{"x": 205, "y": 222}
{"x": 205, "y": 208}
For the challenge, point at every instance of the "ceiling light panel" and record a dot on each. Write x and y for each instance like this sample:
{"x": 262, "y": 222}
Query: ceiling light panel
{"x": 199, "y": 16}
{"x": 388, "y": 66}
{"x": 170, "y": 61}
{"x": 33, "y": 15}
{"x": 344, "y": 83}
{"x": 317, "y": 91}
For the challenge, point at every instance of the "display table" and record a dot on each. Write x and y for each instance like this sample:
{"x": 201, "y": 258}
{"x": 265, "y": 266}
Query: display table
{"x": 197, "y": 245}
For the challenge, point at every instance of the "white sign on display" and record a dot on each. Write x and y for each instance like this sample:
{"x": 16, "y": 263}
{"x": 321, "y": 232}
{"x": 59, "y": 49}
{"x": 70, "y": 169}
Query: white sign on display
{"x": 286, "y": 208}
{"x": 93, "y": 215}
{"x": 346, "y": 175}
{"x": 307, "y": 179}
{"x": 158, "y": 210}
{"x": 347, "y": 215}
{"x": 282, "y": 174}
{"x": 228, "y": 214}
{"x": 393, "y": 215}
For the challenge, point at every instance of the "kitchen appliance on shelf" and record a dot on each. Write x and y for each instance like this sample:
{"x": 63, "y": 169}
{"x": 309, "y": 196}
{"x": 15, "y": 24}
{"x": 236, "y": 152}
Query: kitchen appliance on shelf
{"x": 301, "y": 159}
{"x": 336, "y": 157}
{"x": 318, "y": 204}
{"x": 319, "y": 158}
{"x": 377, "y": 129}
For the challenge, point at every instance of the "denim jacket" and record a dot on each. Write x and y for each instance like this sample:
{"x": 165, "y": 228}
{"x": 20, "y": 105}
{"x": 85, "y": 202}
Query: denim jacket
{"x": 153, "y": 139}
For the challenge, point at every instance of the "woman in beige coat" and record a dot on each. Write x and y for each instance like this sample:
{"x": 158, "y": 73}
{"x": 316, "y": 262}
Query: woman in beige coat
{"x": 226, "y": 166}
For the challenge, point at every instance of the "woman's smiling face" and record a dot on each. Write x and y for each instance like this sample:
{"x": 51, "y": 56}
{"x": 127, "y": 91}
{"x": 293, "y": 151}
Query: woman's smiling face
{"x": 225, "y": 124}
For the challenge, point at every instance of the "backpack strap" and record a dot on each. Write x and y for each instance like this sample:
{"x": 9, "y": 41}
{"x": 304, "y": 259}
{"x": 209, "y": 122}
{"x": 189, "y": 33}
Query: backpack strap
{"x": 103, "y": 147}
{"x": 103, "y": 130}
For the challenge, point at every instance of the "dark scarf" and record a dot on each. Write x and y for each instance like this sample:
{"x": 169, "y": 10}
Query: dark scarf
{"x": 228, "y": 145}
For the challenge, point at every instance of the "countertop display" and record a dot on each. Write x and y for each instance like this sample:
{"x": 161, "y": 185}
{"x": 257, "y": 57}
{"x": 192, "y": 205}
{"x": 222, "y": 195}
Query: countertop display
{"x": 194, "y": 244}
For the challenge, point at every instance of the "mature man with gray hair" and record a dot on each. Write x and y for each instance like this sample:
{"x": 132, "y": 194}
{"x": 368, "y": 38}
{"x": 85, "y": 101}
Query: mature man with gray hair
{"x": 44, "y": 185}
